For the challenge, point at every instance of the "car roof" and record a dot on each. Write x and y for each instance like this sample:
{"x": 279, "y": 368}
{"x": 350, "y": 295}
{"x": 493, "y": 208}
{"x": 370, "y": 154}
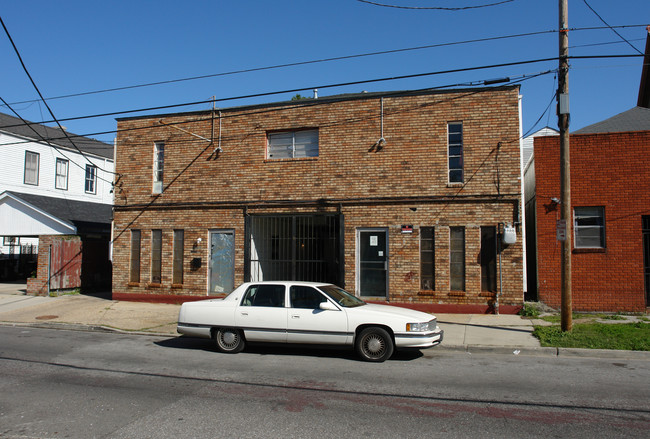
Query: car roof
{"x": 288, "y": 283}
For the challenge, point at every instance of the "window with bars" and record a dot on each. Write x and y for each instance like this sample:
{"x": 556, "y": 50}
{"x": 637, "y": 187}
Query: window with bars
{"x": 292, "y": 144}
{"x": 32, "y": 160}
{"x": 427, "y": 258}
{"x": 455, "y": 151}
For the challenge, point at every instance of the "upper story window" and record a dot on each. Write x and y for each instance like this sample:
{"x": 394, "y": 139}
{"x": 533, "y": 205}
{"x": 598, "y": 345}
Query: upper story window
{"x": 158, "y": 167}
{"x": 32, "y": 160}
{"x": 91, "y": 179}
{"x": 61, "y": 177}
{"x": 292, "y": 144}
{"x": 589, "y": 227}
{"x": 455, "y": 151}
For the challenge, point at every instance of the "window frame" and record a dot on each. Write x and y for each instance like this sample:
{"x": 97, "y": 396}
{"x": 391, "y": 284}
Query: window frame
{"x": 178, "y": 257}
{"x": 158, "y": 167}
{"x": 156, "y": 256}
{"x": 276, "y": 134}
{"x": 461, "y": 156}
{"x": 136, "y": 259}
{"x": 90, "y": 181}
{"x": 64, "y": 176}
{"x": 36, "y": 169}
{"x": 463, "y": 263}
{"x": 601, "y": 227}
{"x": 430, "y": 255}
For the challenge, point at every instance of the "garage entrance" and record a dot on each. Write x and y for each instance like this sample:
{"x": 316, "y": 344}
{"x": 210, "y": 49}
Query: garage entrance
{"x": 294, "y": 247}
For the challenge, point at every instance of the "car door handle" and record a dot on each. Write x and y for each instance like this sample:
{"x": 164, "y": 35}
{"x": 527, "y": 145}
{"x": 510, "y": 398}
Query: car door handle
{"x": 295, "y": 316}
{"x": 244, "y": 313}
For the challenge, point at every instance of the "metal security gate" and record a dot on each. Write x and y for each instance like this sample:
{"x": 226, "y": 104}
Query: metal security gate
{"x": 294, "y": 247}
{"x": 646, "y": 257}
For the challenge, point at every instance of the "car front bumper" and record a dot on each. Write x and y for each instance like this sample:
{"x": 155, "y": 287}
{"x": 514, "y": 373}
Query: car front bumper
{"x": 419, "y": 340}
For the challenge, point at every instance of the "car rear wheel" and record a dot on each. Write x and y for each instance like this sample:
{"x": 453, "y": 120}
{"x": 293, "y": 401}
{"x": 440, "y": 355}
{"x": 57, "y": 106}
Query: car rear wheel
{"x": 229, "y": 340}
{"x": 374, "y": 344}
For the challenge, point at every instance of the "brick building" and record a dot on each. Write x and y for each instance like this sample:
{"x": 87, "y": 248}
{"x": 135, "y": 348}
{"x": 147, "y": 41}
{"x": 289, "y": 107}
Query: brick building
{"x": 610, "y": 177}
{"x": 396, "y": 196}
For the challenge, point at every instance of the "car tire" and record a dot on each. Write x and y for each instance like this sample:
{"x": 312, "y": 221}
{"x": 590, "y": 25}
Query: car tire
{"x": 229, "y": 340}
{"x": 374, "y": 344}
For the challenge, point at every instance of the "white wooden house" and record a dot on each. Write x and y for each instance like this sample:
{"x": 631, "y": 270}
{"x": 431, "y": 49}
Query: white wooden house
{"x": 50, "y": 184}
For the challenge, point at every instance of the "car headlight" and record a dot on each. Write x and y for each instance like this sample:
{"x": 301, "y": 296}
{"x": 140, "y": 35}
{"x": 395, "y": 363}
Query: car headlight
{"x": 421, "y": 327}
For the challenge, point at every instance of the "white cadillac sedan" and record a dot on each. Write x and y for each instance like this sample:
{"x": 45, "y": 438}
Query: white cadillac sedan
{"x": 307, "y": 313}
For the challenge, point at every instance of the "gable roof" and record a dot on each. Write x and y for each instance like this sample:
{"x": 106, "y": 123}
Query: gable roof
{"x": 16, "y": 126}
{"x": 68, "y": 211}
{"x": 634, "y": 119}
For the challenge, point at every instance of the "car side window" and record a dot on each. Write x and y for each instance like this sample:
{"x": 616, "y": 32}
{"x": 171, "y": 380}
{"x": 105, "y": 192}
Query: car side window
{"x": 305, "y": 297}
{"x": 264, "y": 295}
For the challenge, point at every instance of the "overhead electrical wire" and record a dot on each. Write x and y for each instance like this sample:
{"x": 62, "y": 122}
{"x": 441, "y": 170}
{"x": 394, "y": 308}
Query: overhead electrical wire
{"x": 436, "y": 8}
{"x": 308, "y": 62}
{"x": 610, "y": 27}
{"x": 43, "y": 99}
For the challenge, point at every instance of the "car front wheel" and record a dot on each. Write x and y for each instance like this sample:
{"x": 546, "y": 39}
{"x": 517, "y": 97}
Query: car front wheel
{"x": 374, "y": 344}
{"x": 229, "y": 340}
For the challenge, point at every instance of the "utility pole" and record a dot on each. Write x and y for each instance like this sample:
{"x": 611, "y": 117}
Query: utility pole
{"x": 565, "y": 176}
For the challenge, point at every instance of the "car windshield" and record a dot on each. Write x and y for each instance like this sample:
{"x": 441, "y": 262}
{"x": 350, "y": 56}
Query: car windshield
{"x": 342, "y": 297}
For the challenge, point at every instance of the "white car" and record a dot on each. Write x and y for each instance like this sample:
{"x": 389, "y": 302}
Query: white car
{"x": 307, "y": 313}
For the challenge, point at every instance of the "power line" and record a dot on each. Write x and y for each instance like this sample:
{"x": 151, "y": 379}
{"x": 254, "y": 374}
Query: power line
{"x": 308, "y": 62}
{"x": 613, "y": 30}
{"x": 438, "y": 8}
{"x": 41, "y": 96}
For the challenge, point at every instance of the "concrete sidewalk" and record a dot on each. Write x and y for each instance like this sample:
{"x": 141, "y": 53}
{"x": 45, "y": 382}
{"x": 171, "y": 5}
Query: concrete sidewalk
{"x": 473, "y": 333}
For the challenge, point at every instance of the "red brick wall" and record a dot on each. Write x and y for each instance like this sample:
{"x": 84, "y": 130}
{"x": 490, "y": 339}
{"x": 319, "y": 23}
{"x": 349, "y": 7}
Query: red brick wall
{"x": 610, "y": 170}
{"x": 371, "y": 187}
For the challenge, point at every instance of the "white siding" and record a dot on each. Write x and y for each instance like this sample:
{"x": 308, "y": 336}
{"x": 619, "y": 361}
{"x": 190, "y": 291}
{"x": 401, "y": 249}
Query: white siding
{"x": 12, "y": 168}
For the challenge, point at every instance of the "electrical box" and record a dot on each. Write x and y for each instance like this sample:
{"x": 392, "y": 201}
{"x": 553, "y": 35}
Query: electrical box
{"x": 509, "y": 235}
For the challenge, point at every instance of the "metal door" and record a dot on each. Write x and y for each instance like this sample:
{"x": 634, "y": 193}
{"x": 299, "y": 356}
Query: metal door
{"x": 222, "y": 261}
{"x": 646, "y": 257}
{"x": 372, "y": 263}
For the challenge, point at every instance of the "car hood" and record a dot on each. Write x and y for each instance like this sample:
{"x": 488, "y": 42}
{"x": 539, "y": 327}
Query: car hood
{"x": 394, "y": 311}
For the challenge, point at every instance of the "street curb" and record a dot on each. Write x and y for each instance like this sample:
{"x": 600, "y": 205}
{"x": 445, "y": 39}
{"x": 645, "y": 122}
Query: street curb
{"x": 611, "y": 354}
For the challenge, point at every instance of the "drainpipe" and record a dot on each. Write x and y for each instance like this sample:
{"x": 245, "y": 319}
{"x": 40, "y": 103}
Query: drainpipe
{"x": 499, "y": 250}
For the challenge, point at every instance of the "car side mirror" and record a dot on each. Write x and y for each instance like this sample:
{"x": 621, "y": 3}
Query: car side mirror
{"x": 328, "y": 306}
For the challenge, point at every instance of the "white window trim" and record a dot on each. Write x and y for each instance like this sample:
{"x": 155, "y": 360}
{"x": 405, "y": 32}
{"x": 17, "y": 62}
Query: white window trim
{"x": 93, "y": 179}
{"x": 38, "y": 164}
{"x": 292, "y": 147}
{"x": 63, "y": 176}
{"x": 158, "y": 167}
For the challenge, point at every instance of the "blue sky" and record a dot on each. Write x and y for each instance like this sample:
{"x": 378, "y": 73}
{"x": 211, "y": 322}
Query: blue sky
{"x": 72, "y": 47}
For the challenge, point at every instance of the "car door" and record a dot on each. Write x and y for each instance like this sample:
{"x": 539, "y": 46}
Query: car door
{"x": 262, "y": 313}
{"x": 309, "y": 324}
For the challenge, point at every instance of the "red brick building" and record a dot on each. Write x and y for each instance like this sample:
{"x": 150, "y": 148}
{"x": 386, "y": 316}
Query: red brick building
{"x": 398, "y": 197}
{"x": 610, "y": 177}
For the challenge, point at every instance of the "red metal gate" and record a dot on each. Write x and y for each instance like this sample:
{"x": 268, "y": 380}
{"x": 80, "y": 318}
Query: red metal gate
{"x": 65, "y": 264}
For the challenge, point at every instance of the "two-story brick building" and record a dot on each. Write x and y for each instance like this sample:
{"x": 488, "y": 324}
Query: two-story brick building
{"x": 397, "y": 196}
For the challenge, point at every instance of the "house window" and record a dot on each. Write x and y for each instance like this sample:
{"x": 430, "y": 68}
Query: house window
{"x": 156, "y": 256}
{"x": 91, "y": 179}
{"x": 589, "y": 227}
{"x": 61, "y": 178}
{"x": 292, "y": 144}
{"x": 455, "y": 151}
{"x": 158, "y": 166}
{"x": 177, "y": 269}
{"x": 32, "y": 160}
{"x": 457, "y": 258}
{"x": 134, "y": 270}
{"x": 427, "y": 258}
{"x": 489, "y": 259}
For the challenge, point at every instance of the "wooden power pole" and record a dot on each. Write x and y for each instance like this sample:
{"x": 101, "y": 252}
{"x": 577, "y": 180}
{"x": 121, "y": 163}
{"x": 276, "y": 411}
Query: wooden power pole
{"x": 565, "y": 176}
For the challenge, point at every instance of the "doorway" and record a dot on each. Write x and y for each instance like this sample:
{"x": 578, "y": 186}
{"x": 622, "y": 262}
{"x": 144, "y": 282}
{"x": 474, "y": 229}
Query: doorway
{"x": 222, "y": 261}
{"x": 646, "y": 257}
{"x": 372, "y": 263}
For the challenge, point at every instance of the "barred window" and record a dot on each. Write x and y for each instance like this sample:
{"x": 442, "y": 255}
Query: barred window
{"x": 292, "y": 144}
